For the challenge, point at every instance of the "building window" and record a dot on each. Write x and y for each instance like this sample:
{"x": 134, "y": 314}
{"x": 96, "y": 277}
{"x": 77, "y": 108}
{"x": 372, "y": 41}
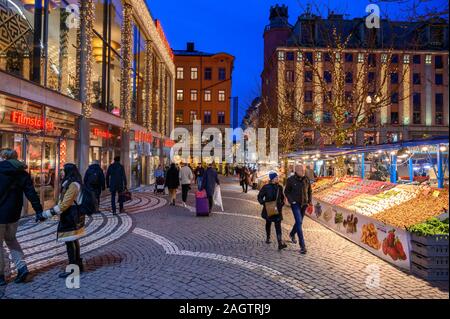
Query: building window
{"x": 180, "y": 73}
{"x": 327, "y": 117}
{"x": 349, "y": 57}
{"x": 281, "y": 55}
{"x": 299, "y": 57}
{"x": 207, "y": 117}
{"x": 417, "y": 108}
{"x": 438, "y": 62}
{"x": 308, "y": 76}
{"x": 194, "y": 95}
{"x": 394, "y": 78}
{"x": 371, "y": 77}
{"x": 179, "y": 117}
{"x": 222, "y": 74}
{"x": 221, "y": 117}
{"x": 416, "y": 59}
{"x": 383, "y": 58}
{"x": 394, "y": 98}
{"x": 221, "y": 96}
{"x": 394, "y": 59}
{"x": 394, "y": 117}
{"x": 439, "y": 108}
{"x": 319, "y": 56}
{"x": 208, "y": 74}
{"x": 290, "y": 56}
{"x": 308, "y": 96}
{"x": 428, "y": 59}
{"x": 180, "y": 95}
{"x": 349, "y": 96}
{"x": 309, "y": 115}
{"x": 416, "y": 78}
{"x": 309, "y": 57}
{"x": 406, "y": 59}
{"x": 349, "y": 77}
{"x": 192, "y": 116}
{"x": 372, "y": 60}
{"x": 360, "y": 57}
{"x": 327, "y": 76}
{"x": 207, "y": 95}
{"x": 290, "y": 76}
{"x": 194, "y": 73}
{"x": 438, "y": 79}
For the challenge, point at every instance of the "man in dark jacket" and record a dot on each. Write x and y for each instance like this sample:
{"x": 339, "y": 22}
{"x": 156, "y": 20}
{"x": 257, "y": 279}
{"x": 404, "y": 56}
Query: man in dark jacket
{"x": 94, "y": 179}
{"x": 299, "y": 194}
{"x": 209, "y": 182}
{"x": 14, "y": 183}
{"x": 116, "y": 181}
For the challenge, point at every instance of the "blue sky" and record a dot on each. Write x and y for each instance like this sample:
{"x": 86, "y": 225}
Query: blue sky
{"x": 236, "y": 27}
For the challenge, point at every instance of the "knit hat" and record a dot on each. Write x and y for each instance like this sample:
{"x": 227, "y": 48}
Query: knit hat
{"x": 273, "y": 175}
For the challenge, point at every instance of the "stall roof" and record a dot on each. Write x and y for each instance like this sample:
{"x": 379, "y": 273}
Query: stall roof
{"x": 349, "y": 150}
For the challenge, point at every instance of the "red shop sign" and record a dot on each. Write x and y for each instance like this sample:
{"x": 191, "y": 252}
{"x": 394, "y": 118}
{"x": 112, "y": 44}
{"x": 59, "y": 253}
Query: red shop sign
{"x": 32, "y": 122}
{"x": 103, "y": 134}
{"x": 143, "y": 137}
{"x": 169, "y": 143}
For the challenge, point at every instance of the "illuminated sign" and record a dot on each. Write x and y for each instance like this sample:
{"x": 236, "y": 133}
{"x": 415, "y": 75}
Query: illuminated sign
{"x": 163, "y": 37}
{"x": 143, "y": 137}
{"x": 32, "y": 122}
{"x": 169, "y": 143}
{"x": 103, "y": 134}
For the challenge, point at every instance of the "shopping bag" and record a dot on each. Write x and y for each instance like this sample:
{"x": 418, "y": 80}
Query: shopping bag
{"x": 217, "y": 197}
{"x": 125, "y": 196}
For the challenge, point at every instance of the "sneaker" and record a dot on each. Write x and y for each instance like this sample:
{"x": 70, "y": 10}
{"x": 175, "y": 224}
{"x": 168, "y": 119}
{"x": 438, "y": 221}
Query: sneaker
{"x": 303, "y": 251}
{"x": 2, "y": 281}
{"x": 293, "y": 240}
{"x": 184, "y": 205}
{"x": 282, "y": 246}
{"x": 22, "y": 275}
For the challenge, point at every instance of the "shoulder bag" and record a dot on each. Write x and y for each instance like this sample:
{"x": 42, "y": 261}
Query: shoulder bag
{"x": 271, "y": 207}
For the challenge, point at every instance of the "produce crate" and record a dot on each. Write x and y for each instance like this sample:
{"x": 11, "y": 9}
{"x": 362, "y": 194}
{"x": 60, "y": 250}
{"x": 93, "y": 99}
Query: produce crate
{"x": 440, "y": 262}
{"x": 436, "y": 240}
{"x": 429, "y": 251}
{"x": 429, "y": 274}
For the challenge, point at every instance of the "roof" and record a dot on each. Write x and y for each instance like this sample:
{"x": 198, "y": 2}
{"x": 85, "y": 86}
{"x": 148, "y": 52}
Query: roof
{"x": 191, "y": 53}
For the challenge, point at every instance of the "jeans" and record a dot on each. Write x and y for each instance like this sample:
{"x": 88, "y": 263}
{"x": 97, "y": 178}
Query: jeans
{"x": 199, "y": 182}
{"x": 277, "y": 230}
{"x": 244, "y": 187}
{"x": 8, "y": 235}
{"x": 184, "y": 192}
{"x": 113, "y": 201}
{"x": 299, "y": 213}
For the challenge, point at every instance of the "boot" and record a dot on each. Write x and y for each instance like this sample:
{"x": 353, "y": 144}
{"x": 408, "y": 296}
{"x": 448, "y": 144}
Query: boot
{"x": 22, "y": 275}
{"x": 268, "y": 240}
{"x": 282, "y": 246}
{"x": 2, "y": 280}
{"x": 80, "y": 265}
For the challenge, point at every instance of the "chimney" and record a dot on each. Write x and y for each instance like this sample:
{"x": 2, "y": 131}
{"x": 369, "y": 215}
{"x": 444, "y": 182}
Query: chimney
{"x": 190, "y": 47}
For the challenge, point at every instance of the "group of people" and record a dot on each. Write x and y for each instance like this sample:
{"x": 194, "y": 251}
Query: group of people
{"x": 298, "y": 194}
{"x": 15, "y": 182}
{"x": 247, "y": 177}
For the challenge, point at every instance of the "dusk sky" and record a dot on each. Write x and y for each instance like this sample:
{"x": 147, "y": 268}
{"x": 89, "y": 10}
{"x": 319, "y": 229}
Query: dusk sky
{"x": 236, "y": 27}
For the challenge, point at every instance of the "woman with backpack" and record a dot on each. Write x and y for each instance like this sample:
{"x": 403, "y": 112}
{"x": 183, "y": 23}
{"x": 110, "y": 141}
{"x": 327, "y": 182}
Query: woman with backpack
{"x": 71, "y": 218}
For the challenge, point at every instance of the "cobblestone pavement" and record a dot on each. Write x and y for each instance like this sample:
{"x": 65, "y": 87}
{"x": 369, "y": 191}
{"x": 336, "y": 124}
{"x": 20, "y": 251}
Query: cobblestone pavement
{"x": 159, "y": 251}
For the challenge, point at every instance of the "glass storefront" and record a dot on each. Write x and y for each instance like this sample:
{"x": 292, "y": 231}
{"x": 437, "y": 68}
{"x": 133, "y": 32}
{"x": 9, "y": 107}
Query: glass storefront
{"x": 44, "y": 138}
{"x": 105, "y": 143}
{"x": 141, "y": 159}
{"x": 38, "y": 43}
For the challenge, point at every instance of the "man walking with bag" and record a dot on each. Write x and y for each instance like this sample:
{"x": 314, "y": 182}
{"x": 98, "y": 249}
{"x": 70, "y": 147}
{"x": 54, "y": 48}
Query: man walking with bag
{"x": 210, "y": 180}
{"x": 299, "y": 194}
{"x": 186, "y": 177}
{"x": 116, "y": 181}
{"x": 14, "y": 183}
{"x": 94, "y": 180}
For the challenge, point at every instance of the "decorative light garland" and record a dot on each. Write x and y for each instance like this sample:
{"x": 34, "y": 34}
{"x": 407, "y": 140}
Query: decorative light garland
{"x": 148, "y": 106}
{"x": 127, "y": 55}
{"x": 164, "y": 101}
{"x": 158, "y": 96}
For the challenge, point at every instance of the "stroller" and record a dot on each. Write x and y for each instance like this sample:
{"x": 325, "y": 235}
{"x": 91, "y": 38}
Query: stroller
{"x": 159, "y": 186}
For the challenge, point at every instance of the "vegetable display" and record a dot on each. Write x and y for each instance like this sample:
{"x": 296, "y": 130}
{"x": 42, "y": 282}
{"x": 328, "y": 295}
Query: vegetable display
{"x": 431, "y": 227}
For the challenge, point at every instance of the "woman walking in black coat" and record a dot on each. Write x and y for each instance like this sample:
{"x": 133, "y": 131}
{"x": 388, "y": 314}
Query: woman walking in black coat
{"x": 272, "y": 193}
{"x": 71, "y": 219}
{"x": 172, "y": 183}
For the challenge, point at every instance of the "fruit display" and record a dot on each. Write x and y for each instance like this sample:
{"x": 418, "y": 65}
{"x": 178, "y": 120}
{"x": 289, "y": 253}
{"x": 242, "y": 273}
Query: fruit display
{"x": 323, "y": 183}
{"x": 393, "y": 247}
{"x": 426, "y": 204}
{"x": 431, "y": 227}
{"x": 369, "y": 236}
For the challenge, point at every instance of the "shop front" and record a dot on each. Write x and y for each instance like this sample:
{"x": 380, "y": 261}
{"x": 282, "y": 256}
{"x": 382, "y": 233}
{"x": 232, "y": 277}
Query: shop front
{"x": 105, "y": 143}
{"x": 44, "y": 138}
{"x": 141, "y": 158}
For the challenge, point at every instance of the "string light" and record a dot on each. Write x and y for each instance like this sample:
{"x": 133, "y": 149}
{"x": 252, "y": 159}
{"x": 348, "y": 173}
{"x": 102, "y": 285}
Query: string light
{"x": 148, "y": 109}
{"x": 127, "y": 55}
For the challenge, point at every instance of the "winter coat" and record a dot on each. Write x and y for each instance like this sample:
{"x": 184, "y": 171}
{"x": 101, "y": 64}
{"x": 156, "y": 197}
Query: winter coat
{"x": 172, "y": 178}
{"x": 298, "y": 190}
{"x": 186, "y": 175}
{"x": 71, "y": 220}
{"x": 14, "y": 183}
{"x": 199, "y": 172}
{"x": 268, "y": 193}
{"x": 94, "y": 179}
{"x": 116, "y": 179}
{"x": 210, "y": 179}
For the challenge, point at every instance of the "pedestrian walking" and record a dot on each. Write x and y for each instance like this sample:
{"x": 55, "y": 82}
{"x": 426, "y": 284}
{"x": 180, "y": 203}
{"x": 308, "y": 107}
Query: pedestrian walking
{"x": 14, "y": 183}
{"x": 159, "y": 180}
{"x": 116, "y": 181}
{"x": 199, "y": 173}
{"x": 210, "y": 180}
{"x": 186, "y": 177}
{"x": 71, "y": 218}
{"x": 172, "y": 183}
{"x": 299, "y": 194}
{"x": 94, "y": 180}
{"x": 272, "y": 198}
{"x": 244, "y": 177}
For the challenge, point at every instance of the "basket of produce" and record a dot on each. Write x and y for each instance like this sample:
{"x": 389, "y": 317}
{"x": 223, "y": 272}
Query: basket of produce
{"x": 429, "y": 274}
{"x": 429, "y": 251}
{"x": 430, "y": 233}
{"x": 439, "y": 262}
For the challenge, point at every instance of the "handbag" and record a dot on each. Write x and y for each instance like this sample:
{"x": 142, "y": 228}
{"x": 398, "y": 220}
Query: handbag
{"x": 125, "y": 196}
{"x": 271, "y": 207}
